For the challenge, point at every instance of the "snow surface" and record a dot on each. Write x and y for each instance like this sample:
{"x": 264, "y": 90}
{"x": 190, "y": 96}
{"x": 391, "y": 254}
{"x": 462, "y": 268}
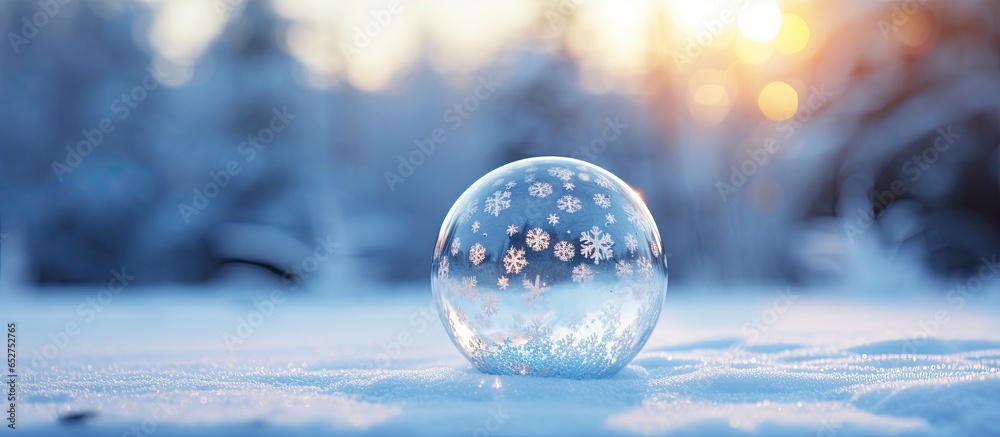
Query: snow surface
{"x": 158, "y": 363}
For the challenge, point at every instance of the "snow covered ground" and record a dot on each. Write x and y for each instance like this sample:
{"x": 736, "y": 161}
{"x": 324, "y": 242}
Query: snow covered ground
{"x": 766, "y": 363}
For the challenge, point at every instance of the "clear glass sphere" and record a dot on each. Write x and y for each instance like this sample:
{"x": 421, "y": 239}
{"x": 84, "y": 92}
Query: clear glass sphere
{"x": 549, "y": 266}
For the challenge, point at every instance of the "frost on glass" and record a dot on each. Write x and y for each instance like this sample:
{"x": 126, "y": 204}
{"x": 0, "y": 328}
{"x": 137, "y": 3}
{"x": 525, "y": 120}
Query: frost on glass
{"x": 549, "y": 267}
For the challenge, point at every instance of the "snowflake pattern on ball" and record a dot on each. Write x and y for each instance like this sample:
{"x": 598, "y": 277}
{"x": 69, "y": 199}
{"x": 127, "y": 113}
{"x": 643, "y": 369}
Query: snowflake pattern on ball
{"x": 623, "y": 269}
{"x": 563, "y": 174}
{"x": 540, "y": 189}
{"x": 631, "y": 243}
{"x": 535, "y": 290}
{"x": 514, "y": 260}
{"x": 498, "y": 202}
{"x": 477, "y": 253}
{"x": 568, "y": 203}
{"x": 468, "y": 289}
{"x": 582, "y": 273}
{"x": 443, "y": 268}
{"x": 635, "y": 218}
{"x": 645, "y": 267}
{"x": 469, "y": 210}
{"x": 499, "y": 327}
{"x": 596, "y": 246}
{"x": 564, "y": 250}
{"x": 490, "y": 304}
{"x": 537, "y": 239}
{"x": 602, "y": 200}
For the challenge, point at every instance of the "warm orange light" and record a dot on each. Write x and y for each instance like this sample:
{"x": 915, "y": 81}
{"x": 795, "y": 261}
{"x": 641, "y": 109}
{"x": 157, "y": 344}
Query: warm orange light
{"x": 760, "y": 20}
{"x": 915, "y": 28}
{"x": 778, "y": 101}
{"x": 793, "y": 36}
{"x": 753, "y": 52}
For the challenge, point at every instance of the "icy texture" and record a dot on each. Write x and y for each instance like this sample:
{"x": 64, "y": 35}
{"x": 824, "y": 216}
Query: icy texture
{"x": 533, "y": 273}
{"x": 315, "y": 367}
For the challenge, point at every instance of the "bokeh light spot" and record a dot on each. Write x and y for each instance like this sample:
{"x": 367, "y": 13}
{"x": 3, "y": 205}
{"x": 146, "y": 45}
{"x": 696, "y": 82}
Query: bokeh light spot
{"x": 760, "y": 21}
{"x": 793, "y": 36}
{"x": 778, "y": 101}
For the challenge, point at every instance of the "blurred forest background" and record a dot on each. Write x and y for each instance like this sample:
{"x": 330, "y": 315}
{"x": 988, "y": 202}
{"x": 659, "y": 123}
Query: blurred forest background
{"x": 840, "y": 143}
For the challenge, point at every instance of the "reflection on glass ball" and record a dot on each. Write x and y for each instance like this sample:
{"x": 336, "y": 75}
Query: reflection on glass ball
{"x": 550, "y": 267}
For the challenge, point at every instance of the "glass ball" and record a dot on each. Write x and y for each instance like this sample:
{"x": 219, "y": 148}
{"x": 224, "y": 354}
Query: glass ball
{"x": 549, "y": 266}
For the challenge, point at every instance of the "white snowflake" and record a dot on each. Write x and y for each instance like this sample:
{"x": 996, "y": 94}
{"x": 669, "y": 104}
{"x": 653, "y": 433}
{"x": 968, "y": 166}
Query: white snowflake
{"x": 502, "y": 282}
{"x": 497, "y": 203}
{"x": 460, "y": 314}
{"x": 511, "y": 230}
{"x": 443, "y": 268}
{"x": 470, "y": 209}
{"x": 490, "y": 304}
{"x": 582, "y": 273}
{"x": 569, "y": 204}
{"x": 510, "y": 185}
{"x": 514, "y": 260}
{"x": 631, "y": 243}
{"x": 602, "y": 200}
{"x": 645, "y": 267}
{"x": 584, "y": 176}
{"x": 456, "y": 246}
{"x": 475, "y": 226}
{"x": 635, "y": 218}
{"x": 468, "y": 290}
{"x": 564, "y": 250}
{"x": 609, "y": 219}
{"x": 654, "y": 248}
{"x": 553, "y": 219}
{"x": 540, "y": 189}
{"x": 623, "y": 269}
{"x": 595, "y": 246}
{"x": 535, "y": 290}
{"x": 568, "y": 186}
{"x": 537, "y": 239}
{"x": 529, "y": 178}
{"x": 604, "y": 182}
{"x": 477, "y": 254}
{"x": 561, "y": 173}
